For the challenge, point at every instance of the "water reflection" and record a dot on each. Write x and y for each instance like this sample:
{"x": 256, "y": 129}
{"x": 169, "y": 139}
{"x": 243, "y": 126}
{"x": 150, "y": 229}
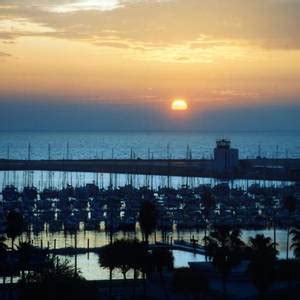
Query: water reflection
{"x": 45, "y": 179}
{"x": 88, "y": 264}
{"x": 96, "y": 239}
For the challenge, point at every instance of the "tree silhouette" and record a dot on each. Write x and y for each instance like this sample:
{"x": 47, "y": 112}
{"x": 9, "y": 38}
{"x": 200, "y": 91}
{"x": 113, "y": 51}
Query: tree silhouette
{"x": 107, "y": 260}
{"x": 261, "y": 266}
{"x": 15, "y": 226}
{"x": 3, "y": 256}
{"x": 148, "y": 219}
{"x": 122, "y": 255}
{"x": 224, "y": 248}
{"x": 3, "y": 247}
{"x": 289, "y": 203}
{"x": 296, "y": 241}
{"x": 55, "y": 280}
{"x": 25, "y": 254}
{"x": 30, "y": 257}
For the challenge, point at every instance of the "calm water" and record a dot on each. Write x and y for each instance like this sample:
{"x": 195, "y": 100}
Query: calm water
{"x": 90, "y": 269}
{"x": 40, "y": 179}
{"x": 158, "y": 144}
{"x": 101, "y": 238}
{"x": 88, "y": 264}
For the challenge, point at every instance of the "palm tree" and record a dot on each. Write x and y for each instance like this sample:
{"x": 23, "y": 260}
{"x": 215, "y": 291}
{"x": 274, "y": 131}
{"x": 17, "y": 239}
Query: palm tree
{"x": 15, "y": 225}
{"x": 224, "y": 248}
{"x": 261, "y": 266}
{"x": 296, "y": 241}
{"x": 269, "y": 203}
{"x": 208, "y": 202}
{"x": 113, "y": 210}
{"x": 289, "y": 203}
{"x": 139, "y": 261}
{"x": 148, "y": 219}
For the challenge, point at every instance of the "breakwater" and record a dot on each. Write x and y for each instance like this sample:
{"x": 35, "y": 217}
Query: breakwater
{"x": 256, "y": 169}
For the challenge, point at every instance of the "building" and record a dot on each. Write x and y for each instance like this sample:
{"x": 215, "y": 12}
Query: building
{"x": 226, "y": 159}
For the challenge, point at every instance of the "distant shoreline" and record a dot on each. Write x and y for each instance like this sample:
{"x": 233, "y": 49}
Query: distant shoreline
{"x": 154, "y": 131}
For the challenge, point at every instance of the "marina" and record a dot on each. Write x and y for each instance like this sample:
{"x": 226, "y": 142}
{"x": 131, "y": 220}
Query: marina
{"x": 51, "y": 214}
{"x": 52, "y": 196}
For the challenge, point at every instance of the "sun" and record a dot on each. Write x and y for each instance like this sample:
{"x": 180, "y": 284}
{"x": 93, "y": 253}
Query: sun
{"x": 179, "y": 104}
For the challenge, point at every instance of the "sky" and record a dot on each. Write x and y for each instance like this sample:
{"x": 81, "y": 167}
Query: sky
{"x": 118, "y": 64}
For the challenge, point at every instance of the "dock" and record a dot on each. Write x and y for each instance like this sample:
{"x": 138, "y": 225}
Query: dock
{"x": 177, "y": 245}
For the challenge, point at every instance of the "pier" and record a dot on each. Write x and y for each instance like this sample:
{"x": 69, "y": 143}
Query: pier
{"x": 256, "y": 169}
{"x": 177, "y": 245}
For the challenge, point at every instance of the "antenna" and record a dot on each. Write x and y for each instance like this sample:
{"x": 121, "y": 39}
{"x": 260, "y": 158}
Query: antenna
{"x": 68, "y": 151}
{"x": 49, "y": 152}
{"x": 8, "y": 151}
{"x": 29, "y": 151}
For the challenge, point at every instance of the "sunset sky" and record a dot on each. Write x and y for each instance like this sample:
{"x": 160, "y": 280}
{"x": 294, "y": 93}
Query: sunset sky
{"x": 134, "y": 56}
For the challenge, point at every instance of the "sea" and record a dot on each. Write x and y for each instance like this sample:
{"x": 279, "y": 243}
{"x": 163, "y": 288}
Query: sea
{"x": 83, "y": 145}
